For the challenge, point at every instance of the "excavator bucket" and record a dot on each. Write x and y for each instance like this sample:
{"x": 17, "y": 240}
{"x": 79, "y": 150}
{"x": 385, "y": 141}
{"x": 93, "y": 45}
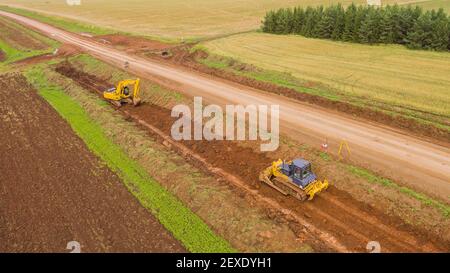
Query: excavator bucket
{"x": 315, "y": 188}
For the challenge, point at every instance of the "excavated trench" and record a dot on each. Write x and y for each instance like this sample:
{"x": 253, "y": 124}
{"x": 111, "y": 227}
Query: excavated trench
{"x": 333, "y": 221}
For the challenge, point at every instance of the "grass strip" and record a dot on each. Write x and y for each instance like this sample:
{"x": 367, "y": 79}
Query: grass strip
{"x": 372, "y": 178}
{"x": 185, "y": 226}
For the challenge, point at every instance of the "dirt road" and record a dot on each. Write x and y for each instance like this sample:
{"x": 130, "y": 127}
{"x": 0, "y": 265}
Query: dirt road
{"x": 53, "y": 190}
{"x": 415, "y": 162}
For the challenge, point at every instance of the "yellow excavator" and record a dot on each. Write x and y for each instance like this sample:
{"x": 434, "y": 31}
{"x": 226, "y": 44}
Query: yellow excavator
{"x": 293, "y": 178}
{"x": 122, "y": 93}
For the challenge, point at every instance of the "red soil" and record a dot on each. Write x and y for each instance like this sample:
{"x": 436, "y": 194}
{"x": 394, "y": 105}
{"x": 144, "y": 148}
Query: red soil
{"x": 54, "y": 190}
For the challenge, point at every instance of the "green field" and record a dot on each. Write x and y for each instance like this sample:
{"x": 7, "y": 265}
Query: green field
{"x": 176, "y": 19}
{"x": 383, "y": 75}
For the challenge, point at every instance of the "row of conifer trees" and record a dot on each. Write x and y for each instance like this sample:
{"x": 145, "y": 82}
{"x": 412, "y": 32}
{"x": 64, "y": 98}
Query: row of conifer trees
{"x": 406, "y": 25}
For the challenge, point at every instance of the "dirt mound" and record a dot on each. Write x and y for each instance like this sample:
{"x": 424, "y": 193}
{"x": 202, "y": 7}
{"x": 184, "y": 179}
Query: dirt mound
{"x": 34, "y": 60}
{"x": 336, "y": 212}
{"x": 87, "y": 81}
{"x": 64, "y": 51}
{"x": 55, "y": 190}
{"x": 2, "y": 56}
{"x": 133, "y": 44}
{"x": 67, "y": 50}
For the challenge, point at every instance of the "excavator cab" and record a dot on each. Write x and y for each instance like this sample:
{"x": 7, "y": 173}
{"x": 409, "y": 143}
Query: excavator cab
{"x": 122, "y": 93}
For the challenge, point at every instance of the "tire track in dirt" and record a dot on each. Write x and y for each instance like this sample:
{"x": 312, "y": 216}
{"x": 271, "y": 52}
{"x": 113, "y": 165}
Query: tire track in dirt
{"x": 337, "y": 217}
{"x": 409, "y": 240}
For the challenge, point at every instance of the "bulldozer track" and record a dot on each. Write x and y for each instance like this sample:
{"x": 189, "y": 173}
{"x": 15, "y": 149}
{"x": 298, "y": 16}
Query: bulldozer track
{"x": 340, "y": 219}
{"x": 407, "y": 241}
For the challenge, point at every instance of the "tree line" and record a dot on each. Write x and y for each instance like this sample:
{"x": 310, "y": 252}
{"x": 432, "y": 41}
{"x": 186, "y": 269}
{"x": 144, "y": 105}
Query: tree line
{"x": 405, "y": 25}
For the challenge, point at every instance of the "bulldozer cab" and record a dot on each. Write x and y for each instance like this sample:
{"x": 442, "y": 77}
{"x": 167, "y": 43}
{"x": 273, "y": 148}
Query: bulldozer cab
{"x": 300, "y": 172}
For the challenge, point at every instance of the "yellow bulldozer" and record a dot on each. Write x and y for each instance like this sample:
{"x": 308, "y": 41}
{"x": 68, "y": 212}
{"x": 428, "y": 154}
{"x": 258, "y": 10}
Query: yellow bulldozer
{"x": 122, "y": 94}
{"x": 293, "y": 178}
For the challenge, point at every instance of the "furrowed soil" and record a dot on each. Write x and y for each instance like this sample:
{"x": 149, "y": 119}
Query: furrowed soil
{"x": 53, "y": 190}
{"x": 335, "y": 212}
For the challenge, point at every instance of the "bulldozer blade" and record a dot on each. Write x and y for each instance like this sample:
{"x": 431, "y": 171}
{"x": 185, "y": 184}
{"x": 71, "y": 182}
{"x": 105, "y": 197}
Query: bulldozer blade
{"x": 315, "y": 188}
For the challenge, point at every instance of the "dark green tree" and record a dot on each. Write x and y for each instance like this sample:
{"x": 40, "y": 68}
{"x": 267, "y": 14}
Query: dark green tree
{"x": 339, "y": 23}
{"x": 325, "y": 26}
{"x": 349, "y": 23}
{"x": 269, "y": 22}
{"x": 298, "y": 20}
{"x": 360, "y": 16}
{"x": 311, "y": 19}
{"x": 420, "y": 35}
{"x": 386, "y": 26}
{"x": 440, "y": 34}
{"x": 369, "y": 32}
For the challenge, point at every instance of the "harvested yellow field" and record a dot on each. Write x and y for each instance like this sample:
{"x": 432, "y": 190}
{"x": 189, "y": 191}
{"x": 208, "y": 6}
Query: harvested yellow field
{"x": 435, "y": 4}
{"x": 390, "y": 74}
{"x": 173, "y": 19}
